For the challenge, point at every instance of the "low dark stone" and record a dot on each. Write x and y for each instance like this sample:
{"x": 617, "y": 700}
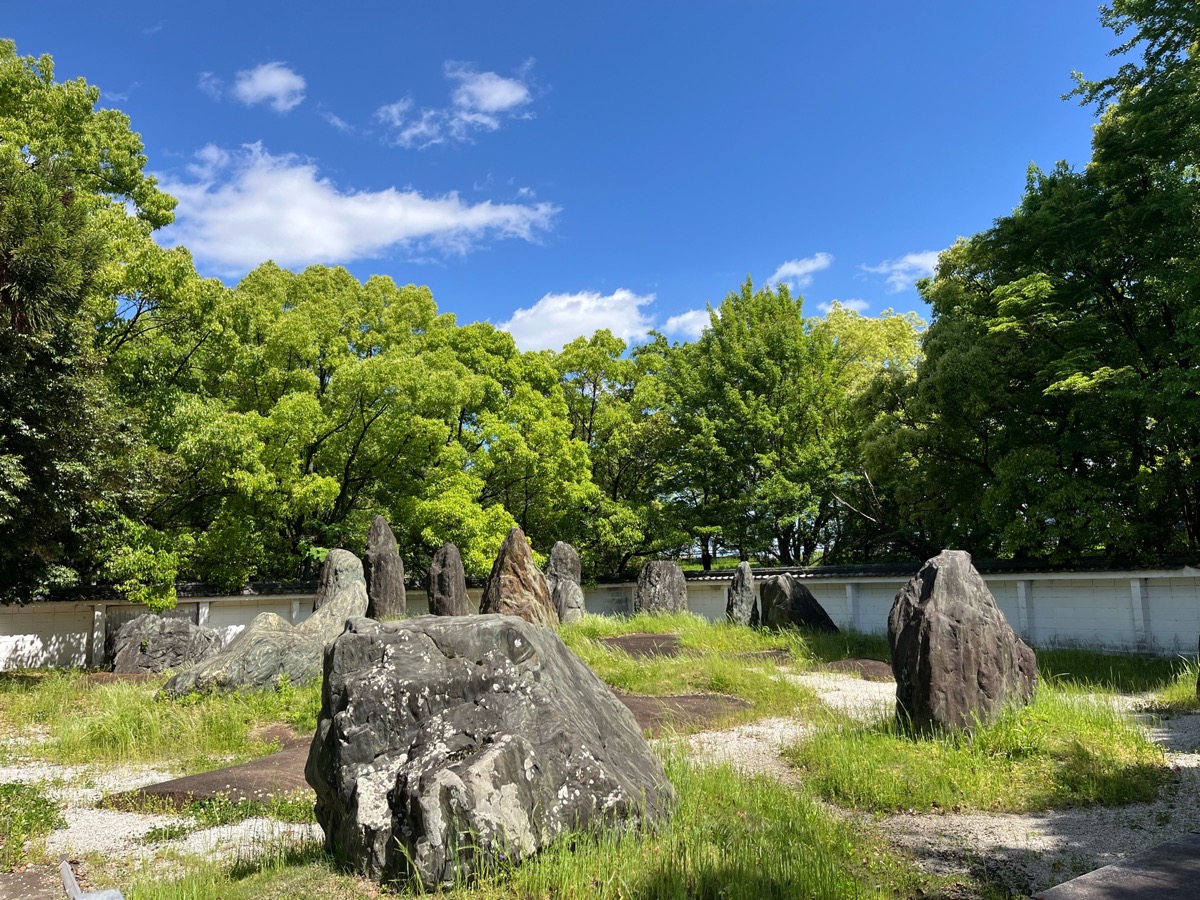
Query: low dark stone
{"x": 784, "y": 601}
{"x": 152, "y": 644}
{"x": 384, "y": 573}
{"x": 446, "y": 744}
{"x": 270, "y": 651}
{"x": 955, "y": 658}
{"x": 661, "y": 588}
{"x": 517, "y": 586}
{"x": 448, "y": 583}
{"x": 741, "y": 606}
{"x": 563, "y": 576}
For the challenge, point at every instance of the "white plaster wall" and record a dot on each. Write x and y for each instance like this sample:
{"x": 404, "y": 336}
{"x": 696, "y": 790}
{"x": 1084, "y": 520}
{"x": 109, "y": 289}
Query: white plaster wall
{"x": 1174, "y": 607}
{"x": 44, "y": 635}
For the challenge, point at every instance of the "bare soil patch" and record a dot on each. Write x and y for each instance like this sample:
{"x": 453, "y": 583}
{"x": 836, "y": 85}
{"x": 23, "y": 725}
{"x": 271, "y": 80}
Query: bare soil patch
{"x": 641, "y": 646}
{"x": 661, "y": 714}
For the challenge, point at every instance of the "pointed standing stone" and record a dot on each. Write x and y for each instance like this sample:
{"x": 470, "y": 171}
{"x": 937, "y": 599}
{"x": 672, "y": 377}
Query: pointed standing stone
{"x": 517, "y": 586}
{"x": 384, "y": 571}
{"x": 563, "y": 576}
{"x": 448, "y": 583}
{"x": 740, "y": 606}
{"x": 955, "y": 658}
{"x": 661, "y": 588}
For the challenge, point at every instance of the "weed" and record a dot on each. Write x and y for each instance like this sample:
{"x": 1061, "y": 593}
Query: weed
{"x": 25, "y": 814}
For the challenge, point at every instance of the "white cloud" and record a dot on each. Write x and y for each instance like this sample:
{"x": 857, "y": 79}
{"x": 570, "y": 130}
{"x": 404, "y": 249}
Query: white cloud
{"x": 798, "y": 273}
{"x": 272, "y": 83}
{"x": 239, "y": 209}
{"x": 210, "y": 84}
{"x": 902, "y": 273}
{"x": 687, "y": 325}
{"x": 337, "y": 122}
{"x": 480, "y": 102}
{"x": 558, "y": 319}
{"x": 858, "y": 306}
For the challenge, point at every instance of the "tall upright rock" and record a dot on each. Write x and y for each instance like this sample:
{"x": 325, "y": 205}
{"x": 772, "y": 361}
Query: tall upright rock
{"x": 661, "y": 588}
{"x": 517, "y": 586}
{"x": 955, "y": 658}
{"x": 741, "y": 606}
{"x": 448, "y": 583}
{"x": 384, "y": 571}
{"x": 564, "y": 575}
{"x": 784, "y": 601}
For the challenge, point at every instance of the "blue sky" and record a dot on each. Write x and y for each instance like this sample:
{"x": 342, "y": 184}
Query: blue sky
{"x": 558, "y": 167}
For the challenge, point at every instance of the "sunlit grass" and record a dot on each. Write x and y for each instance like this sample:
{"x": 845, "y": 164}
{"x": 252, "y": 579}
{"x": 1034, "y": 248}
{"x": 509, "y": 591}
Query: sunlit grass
{"x": 1064, "y": 749}
{"x": 80, "y": 721}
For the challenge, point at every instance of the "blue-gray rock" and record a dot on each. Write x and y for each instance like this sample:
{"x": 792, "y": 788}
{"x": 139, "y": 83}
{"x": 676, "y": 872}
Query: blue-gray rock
{"x": 741, "y": 606}
{"x": 563, "y": 576}
{"x": 270, "y": 651}
{"x": 153, "y": 644}
{"x": 661, "y": 588}
{"x": 448, "y": 583}
{"x": 384, "y": 573}
{"x": 956, "y": 660}
{"x": 446, "y": 744}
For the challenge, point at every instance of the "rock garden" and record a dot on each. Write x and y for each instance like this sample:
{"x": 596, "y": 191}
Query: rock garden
{"x": 533, "y": 750}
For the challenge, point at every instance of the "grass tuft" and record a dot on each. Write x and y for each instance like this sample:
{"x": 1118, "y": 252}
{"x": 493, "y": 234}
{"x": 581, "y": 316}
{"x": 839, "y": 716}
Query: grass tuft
{"x": 1064, "y": 749}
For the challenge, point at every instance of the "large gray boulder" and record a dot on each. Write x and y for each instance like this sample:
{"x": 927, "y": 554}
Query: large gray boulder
{"x": 784, "y": 601}
{"x": 384, "y": 573}
{"x": 270, "y": 651}
{"x": 448, "y": 583}
{"x": 151, "y": 644}
{"x": 955, "y": 658}
{"x": 563, "y": 576}
{"x": 446, "y": 744}
{"x": 741, "y": 606}
{"x": 517, "y": 586}
{"x": 661, "y": 588}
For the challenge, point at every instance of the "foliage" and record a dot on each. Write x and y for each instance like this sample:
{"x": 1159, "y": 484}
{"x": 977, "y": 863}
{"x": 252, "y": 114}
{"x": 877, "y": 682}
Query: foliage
{"x": 71, "y": 183}
{"x": 1058, "y": 407}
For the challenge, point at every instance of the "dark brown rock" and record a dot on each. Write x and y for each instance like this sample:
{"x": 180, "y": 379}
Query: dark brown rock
{"x": 517, "y": 586}
{"x": 563, "y": 577}
{"x": 446, "y": 745}
{"x": 784, "y": 601}
{"x": 153, "y": 643}
{"x": 661, "y": 588}
{"x": 448, "y": 583}
{"x": 384, "y": 573}
{"x": 741, "y": 606}
{"x": 956, "y": 660}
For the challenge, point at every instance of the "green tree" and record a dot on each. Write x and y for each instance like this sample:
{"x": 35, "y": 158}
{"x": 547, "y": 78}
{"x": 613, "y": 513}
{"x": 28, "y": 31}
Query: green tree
{"x": 71, "y": 183}
{"x": 1058, "y": 411}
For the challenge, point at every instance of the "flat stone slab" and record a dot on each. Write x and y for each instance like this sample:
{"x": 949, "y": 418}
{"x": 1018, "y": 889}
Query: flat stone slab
{"x": 278, "y": 774}
{"x": 31, "y": 883}
{"x": 1170, "y": 871}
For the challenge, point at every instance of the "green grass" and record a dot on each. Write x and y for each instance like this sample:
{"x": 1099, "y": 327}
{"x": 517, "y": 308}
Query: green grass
{"x": 729, "y": 837}
{"x": 123, "y": 721}
{"x": 716, "y": 658}
{"x": 820, "y": 647}
{"x": 25, "y": 814}
{"x": 1109, "y": 672}
{"x": 1062, "y": 750}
